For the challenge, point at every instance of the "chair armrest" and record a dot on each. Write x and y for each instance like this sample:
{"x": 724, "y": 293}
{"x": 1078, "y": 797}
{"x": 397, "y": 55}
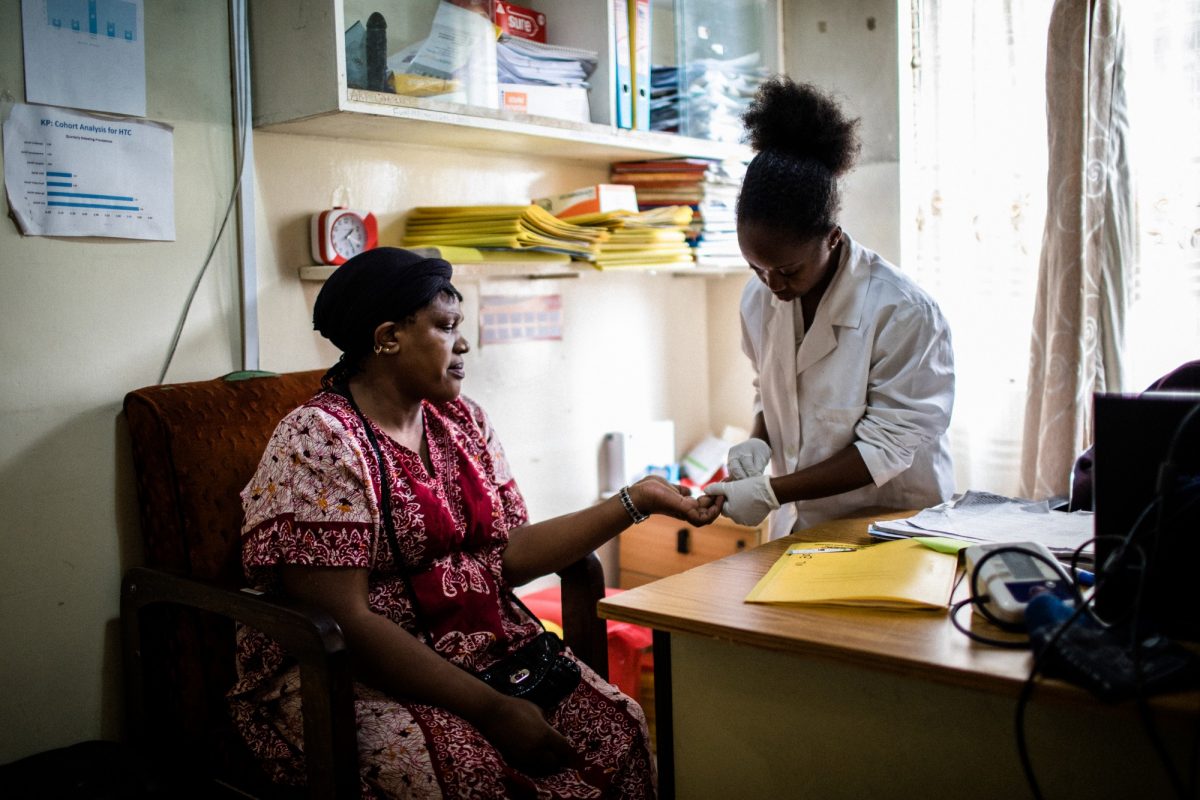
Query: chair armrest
{"x": 310, "y": 635}
{"x": 583, "y": 630}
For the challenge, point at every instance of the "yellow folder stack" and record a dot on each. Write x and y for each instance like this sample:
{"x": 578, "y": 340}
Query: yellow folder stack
{"x": 501, "y": 227}
{"x": 646, "y": 239}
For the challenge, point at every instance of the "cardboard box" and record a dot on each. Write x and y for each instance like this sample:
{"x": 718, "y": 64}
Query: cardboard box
{"x": 591, "y": 200}
{"x": 524, "y": 23}
{"x": 561, "y": 102}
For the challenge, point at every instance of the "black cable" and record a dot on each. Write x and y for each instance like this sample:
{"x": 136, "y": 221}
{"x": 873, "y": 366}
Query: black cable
{"x": 970, "y": 634}
{"x": 1137, "y": 643}
{"x": 1103, "y": 573}
{"x": 1083, "y": 605}
{"x": 1027, "y": 692}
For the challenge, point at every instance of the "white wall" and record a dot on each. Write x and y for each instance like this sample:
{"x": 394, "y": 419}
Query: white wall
{"x": 84, "y": 321}
{"x": 851, "y": 48}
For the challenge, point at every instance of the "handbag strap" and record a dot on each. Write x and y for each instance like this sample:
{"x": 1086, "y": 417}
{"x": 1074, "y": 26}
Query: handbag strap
{"x": 385, "y": 480}
{"x": 385, "y": 510}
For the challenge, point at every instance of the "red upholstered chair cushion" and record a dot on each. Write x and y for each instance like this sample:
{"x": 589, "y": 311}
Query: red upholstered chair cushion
{"x": 195, "y": 446}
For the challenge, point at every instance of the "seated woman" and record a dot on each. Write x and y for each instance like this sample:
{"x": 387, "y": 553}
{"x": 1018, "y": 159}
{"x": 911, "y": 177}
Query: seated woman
{"x": 387, "y": 500}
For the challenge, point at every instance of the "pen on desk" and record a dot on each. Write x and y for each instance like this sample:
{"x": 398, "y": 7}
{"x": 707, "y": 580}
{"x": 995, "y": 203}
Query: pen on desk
{"x": 798, "y": 550}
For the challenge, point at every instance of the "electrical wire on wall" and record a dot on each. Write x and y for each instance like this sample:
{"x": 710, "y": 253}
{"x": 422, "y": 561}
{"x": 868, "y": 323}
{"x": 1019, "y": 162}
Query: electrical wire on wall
{"x": 241, "y": 70}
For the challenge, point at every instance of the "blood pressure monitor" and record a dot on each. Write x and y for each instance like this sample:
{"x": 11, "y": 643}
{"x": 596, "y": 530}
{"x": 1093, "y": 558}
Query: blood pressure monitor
{"x": 1011, "y": 575}
{"x": 338, "y": 234}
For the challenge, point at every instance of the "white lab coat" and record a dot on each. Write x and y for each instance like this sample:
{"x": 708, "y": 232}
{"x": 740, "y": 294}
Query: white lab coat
{"x": 875, "y": 368}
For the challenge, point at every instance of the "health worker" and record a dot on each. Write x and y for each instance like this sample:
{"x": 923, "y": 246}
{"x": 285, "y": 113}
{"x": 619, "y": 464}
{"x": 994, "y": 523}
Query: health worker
{"x": 854, "y": 369}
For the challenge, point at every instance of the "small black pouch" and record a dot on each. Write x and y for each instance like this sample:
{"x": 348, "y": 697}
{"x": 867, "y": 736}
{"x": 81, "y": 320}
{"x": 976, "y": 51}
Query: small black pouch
{"x": 538, "y": 672}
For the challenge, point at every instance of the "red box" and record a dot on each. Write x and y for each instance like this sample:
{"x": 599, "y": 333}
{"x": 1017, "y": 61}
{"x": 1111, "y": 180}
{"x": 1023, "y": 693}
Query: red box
{"x": 524, "y": 23}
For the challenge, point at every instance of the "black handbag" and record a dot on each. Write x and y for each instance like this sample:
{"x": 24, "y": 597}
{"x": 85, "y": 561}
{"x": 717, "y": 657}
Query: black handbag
{"x": 539, "y": 671}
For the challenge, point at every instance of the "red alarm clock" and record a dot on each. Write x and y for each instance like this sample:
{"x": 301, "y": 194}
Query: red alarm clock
{"x": 339, "y": 234}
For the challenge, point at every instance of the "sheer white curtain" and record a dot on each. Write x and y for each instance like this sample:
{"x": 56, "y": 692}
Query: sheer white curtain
{"x": 977, "y": 183}
{"x": 976, "y": 179}
{"x": 1162, "y": 79}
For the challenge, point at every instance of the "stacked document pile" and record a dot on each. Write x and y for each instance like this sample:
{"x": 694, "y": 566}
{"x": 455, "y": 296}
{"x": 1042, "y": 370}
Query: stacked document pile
{"x": 646, "y": 239}
{"x": 716, "y": 92}
{"x": 526, "y": 61}
{"x": 709, "y": 187}
{"x": 664, "y": 99}
{"x": 990, "y": 518}
{"x": 528, "y": 227}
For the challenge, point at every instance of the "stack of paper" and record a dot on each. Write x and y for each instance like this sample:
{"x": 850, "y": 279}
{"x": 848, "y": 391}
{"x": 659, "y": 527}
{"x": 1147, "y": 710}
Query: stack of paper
{"x": 501, "y": 227}
{"x": 474, "y": 255}
{"x": 526, "y": 61}
{"x": 664, "y": 99}
{"x": 646, "y": 239}
{"x": 904, "y": 574}
{"x": 716, "y": 92}
{"x": 709, "y": 187}
{"x": 985, "y": 517}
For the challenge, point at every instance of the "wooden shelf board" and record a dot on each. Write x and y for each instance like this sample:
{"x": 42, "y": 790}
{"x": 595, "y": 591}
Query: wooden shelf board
{"x": 536, "y": 270}
{"x": 382, "y": 117}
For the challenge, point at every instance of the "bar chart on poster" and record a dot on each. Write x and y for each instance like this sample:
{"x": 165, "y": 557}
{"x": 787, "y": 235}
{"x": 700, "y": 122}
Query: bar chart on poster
{"x": 72, "y": 174}
{"x": 87, "y": 54}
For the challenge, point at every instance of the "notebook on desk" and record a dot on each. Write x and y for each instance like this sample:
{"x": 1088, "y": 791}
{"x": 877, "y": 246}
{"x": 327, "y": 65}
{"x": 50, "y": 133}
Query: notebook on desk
{"x": 904, "y": 574}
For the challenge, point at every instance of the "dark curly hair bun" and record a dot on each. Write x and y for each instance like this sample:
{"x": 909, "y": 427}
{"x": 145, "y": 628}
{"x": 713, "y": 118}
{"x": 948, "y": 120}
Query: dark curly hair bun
{"x": 800, "y": 120}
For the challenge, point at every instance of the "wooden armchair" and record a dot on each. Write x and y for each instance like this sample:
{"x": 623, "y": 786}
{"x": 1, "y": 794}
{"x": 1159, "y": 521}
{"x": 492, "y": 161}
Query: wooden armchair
{"x": 195, "y": 446}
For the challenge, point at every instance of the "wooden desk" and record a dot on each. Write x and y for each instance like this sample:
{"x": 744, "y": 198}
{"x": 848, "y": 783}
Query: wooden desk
{"x": 760, "y": 701}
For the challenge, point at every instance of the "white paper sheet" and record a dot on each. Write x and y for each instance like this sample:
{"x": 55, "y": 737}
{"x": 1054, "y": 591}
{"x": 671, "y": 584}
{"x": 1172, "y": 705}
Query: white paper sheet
{"x": 85, "y": 54}
{"x": 67, "y": 173}
{"x": 985, "y": 517}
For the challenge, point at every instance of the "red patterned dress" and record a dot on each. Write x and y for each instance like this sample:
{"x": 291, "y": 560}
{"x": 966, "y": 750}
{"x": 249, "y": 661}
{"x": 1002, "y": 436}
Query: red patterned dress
{"x": 315, "y": 501}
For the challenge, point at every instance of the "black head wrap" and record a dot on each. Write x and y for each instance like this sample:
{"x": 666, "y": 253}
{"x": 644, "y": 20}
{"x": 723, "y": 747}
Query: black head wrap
{"x": 386, "y": 284}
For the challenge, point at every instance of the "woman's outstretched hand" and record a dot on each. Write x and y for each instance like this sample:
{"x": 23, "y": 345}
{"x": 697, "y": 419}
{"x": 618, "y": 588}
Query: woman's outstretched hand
{"x": 653, "y": 495}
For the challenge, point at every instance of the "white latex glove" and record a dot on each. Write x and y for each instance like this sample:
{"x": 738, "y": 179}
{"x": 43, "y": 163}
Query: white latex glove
{"x": 747, "y": 501}
{"x": 748, "y": 459}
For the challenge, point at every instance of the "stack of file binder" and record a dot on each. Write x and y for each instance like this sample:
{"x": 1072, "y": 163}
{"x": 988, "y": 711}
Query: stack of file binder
{"x": 708, "y": 186}
{"x": 647, "y": 240}
{"x": 517, "y": 228}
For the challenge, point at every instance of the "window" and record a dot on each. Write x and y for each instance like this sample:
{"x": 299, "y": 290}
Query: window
{"x": 976, "y": 184}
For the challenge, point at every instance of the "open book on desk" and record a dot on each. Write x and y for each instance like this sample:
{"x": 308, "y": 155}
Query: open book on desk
{"x": 900, "y": 575}
{"x": 990, "y": 518}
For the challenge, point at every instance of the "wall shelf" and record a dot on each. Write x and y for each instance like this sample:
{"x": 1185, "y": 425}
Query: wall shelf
{"x": 304, "y": 91}
{"x": 544, "y": 271}
{"x": 382, "y": 117}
